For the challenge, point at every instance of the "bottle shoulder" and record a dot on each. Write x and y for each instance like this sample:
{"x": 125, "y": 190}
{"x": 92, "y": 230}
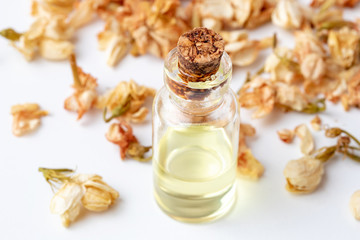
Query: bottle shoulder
{"x": 166, "y": 111}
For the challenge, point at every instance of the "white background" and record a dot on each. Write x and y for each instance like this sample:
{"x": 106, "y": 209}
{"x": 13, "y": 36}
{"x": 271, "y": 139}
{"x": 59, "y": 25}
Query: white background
{"x": 265, "y": 210}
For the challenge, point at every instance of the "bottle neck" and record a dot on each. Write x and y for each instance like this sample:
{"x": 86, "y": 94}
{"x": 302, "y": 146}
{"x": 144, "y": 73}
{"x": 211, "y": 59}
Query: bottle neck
{"x": 199, "y": 97}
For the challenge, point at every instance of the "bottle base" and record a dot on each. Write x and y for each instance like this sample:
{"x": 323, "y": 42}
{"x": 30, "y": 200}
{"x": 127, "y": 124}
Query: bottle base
{"x": 196, "y": 209}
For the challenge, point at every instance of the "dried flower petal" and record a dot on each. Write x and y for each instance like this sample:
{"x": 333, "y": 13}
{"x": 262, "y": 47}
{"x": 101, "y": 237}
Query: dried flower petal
{"x": 303, "y": 175}
{"x": 67, "y": 202}
{"x": 286, "y": 135}
{"x": 316, "y": 123}
{"x": 249, "y": 166}
{"x": 26, "y": 118}
{"x": 307, "y": 144}
{"x": 313, "y": 67}
{"x": 55, "y": 50}
{"x": 354, "y": 204}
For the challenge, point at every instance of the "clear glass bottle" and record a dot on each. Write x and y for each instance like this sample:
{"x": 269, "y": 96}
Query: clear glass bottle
{"x": 195, "y": 143}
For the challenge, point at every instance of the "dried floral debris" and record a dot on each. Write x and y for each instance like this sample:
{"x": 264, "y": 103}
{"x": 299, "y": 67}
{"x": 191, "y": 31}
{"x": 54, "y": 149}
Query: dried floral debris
{"x": 85, "y": 95}
{"x": 126, "y": 101}
{"x": 305, "y": 174}
{"x": 316, "y": 123}
{"x": 230, "y": 14}
{"x": 286, "y": 135}
{"x": 75, "y": 191}
{"x": 121, "y": 134}
{"x": 307, "y": 145}
{"x": 26, "y": 118}
{"x": 242, "y": 51}
{"x": 354, "y": 204}
{"x": 339, "y": 3}
{"x": 248, "y": 166}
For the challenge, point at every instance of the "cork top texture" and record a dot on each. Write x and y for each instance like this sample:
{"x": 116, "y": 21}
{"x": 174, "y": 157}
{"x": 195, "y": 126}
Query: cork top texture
{"x": 199, "y": 53}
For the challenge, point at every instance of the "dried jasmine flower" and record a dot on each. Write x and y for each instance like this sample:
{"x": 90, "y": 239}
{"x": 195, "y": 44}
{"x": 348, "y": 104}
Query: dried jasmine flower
{"x": 26, "y": 118}
{"x": 339, "y": 3}
{"x": 121, "y": 134}
{"x": 303, "y": 175}
{"x": 114, "y": 41}
{"x": 287, "y": 14}
{"x": 313, "y": 67}
{"x": 98, "y": 196}
{"x": 316, "y": 123}
{"x": 344, "y": 46}
{"x": 67, "y": 202}
{"x": 354, "y": 205}
{"x": 241, "y": 50}
{"x": 282, "y": 66}
{"x": 262, "y": 97}
{"x": 230, "y": 13}
{"x": 126, "y": 101}
{"x": 85, "y": 95}
{"x": 286, "y": 135}
{"x": 307, "y": 144}
{"x": 248, "y": 165}
{"x": 87, "y": 190}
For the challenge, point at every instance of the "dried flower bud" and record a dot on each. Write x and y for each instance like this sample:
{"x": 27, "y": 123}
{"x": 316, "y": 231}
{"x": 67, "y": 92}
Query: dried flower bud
{"x": 344, "y": 46}
{"x": 303, "y": 175}
{"x": 121, "y": 134}
{"x": 333, "y": 132}
{"x": 126, "y": 101}
{"x": 313, "y": 67}
{"x": 354, "y": 204}
{"x": 287, "y": 14}
{"x": 98, "y": 195}
{"x": 286, "y": 135}
{"x": 85, "y": 94}
{"x": 67, "y": 202}
{"x": 325, "y": 153}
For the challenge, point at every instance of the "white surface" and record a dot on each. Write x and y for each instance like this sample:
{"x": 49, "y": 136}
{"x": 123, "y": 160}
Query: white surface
{"x": 265, "y": 210}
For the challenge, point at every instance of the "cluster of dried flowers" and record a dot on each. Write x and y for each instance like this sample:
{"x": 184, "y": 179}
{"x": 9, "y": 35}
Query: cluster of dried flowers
{"x": 305, "y": 174}
{"x": 125, "y": 102}
{"x": 325, "y": 63}
{"x": 77, "y": 191}
{"x": 141, "y": 26}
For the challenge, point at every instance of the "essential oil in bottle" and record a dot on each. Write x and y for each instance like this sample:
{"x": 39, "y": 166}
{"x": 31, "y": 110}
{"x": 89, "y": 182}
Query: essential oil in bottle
{"x": 195, "y": 131}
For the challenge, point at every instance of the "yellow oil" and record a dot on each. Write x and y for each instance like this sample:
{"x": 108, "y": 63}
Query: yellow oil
{"x": 195, "y": 171}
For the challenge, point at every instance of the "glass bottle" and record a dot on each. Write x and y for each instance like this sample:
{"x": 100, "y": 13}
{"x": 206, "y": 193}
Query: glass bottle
{"x": 195, "y": 143}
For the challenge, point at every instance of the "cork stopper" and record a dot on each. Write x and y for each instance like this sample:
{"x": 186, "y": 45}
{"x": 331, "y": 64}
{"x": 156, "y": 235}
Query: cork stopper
{"x": 199, "y": 54}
